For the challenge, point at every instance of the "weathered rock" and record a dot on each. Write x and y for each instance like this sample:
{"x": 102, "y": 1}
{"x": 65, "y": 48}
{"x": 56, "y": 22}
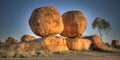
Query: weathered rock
{"x": 10, "y": 41}
{"x": 115, "y": 43}
{"x": 50, "y": 43}
{"x": 27, "y": 38}
{"x": 98, "y": 44}
{"x": 78, "y": 43}
{"x": 46, "y": 21}
{"x": 10, "y": 47}
{"x": 75, "y": 24}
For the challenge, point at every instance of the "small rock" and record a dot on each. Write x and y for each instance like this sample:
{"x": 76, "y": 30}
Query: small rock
{"x": 115, "y": 43}
{"x": 27, "y": 38}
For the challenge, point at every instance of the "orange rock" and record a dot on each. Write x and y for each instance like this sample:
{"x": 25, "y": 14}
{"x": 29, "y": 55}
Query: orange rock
{"x": 78, "y": 43}
{"x": 50, "y": 43}
{"x": 46, "y": 21}
{"x": 98, "y": 44}
{"x": 75, "y": 24}
{"x": 115, "y": 43}
{"x": 27, "y": 38}
{"x": 96, "y": 39}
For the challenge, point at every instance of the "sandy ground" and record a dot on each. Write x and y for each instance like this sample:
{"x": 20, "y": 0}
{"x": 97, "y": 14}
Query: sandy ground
{"x": 82, "y": 56}
{"x": 68, "y": 58}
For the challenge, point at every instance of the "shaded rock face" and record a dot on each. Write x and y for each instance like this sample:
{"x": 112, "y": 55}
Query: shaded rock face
{"x": 98, "y": 44}
{"x": 27, "y": 38}
{"x": 115, "y": 43}
{"x": 75, "y": 24}
{"x": 50, "y": 43}
{"x": 78, "y": 43}
{"x": 46, "y": 21}
{"x": 11, "y": 47}
{"x": 10, "y": 41}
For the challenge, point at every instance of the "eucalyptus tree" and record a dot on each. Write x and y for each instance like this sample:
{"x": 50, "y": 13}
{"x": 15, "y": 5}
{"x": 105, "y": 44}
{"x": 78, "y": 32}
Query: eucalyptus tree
{"x": 102, "y": 25}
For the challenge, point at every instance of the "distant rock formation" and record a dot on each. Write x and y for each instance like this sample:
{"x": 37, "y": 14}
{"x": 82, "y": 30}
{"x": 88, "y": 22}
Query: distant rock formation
{"x": 78, "y": 43}
{"x": 98, "y": 44}
{"x": 27, "y": 38}
{"x": 75, "y": 24}
{"x": 115, "y": 43}
{"x": 46, "y": 21}
{"x": 50, "y": 43}
{"x": 10, "y": 41}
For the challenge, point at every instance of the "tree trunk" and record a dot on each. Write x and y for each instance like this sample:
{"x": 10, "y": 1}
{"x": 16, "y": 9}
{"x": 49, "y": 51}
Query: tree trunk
{"x": 100, "y": 33}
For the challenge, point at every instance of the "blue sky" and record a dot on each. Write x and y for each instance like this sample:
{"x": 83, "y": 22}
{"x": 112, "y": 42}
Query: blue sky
{"x": 14, "y": 15}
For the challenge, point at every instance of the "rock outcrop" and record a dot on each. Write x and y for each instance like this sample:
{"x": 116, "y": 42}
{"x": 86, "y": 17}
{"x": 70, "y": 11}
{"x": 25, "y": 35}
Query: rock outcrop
{"x": 78, "y": 43}
{"x": 46, "y": 21}
{"x": 50, "y": 43}
{"x": 98, "y": 44}
{"x": 10, "y": 41}
{"x": 27, "y": 38}
{"x": 75, "y": 24}
{"x": 115, "y": 43}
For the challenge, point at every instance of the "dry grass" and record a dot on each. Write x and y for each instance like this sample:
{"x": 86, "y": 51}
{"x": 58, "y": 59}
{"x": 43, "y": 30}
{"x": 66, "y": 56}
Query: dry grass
{"x": 42, "y": 54}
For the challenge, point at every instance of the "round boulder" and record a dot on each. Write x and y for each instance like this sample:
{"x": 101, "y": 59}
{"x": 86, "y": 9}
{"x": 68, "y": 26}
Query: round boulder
{"x": 46, "y": 21}
{"x": 75, "y": 24}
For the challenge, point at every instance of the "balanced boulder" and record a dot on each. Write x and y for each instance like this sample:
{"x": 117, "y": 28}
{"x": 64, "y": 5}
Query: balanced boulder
{"x": 75, "y": 24}
{"x": 27, "y": 38}
{"x": 46, "y": 21}
{"x": 50, "y": 43}
{"x": 98, "y": 44}
{"x": 78, "y": 43}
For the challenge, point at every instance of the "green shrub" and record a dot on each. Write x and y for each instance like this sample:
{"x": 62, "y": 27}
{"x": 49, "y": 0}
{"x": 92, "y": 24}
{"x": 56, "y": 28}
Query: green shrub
{"x": 10, "y": 54}
{"x": 23, "y": 54}
{"x": 3, "y": 53}
{"x": 29, "y": 54}
{"x": 19, "y": 54}
{"x": 6, "y": 54}
{"x": 67, "y": 53}
{"x": 44, "y": 53}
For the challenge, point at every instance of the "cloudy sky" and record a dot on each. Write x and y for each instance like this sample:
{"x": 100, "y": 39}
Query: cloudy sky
{"x": 14, "y": 15}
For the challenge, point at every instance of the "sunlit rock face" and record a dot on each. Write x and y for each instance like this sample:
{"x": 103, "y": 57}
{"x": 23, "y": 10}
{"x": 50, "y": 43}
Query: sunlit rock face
{"x": 75, "y": 24}
{"x": 27, "y": 38}
{"x": 78, "y": 43}
{"x": 49, "y": 43}
{"x": 98, "y": 43}
{"x": 115, "y": 43}
{"x": 46, "y": 21}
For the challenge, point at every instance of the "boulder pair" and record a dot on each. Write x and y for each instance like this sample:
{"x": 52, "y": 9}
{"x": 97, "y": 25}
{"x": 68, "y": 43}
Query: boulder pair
{"x": 46, "y": 21}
